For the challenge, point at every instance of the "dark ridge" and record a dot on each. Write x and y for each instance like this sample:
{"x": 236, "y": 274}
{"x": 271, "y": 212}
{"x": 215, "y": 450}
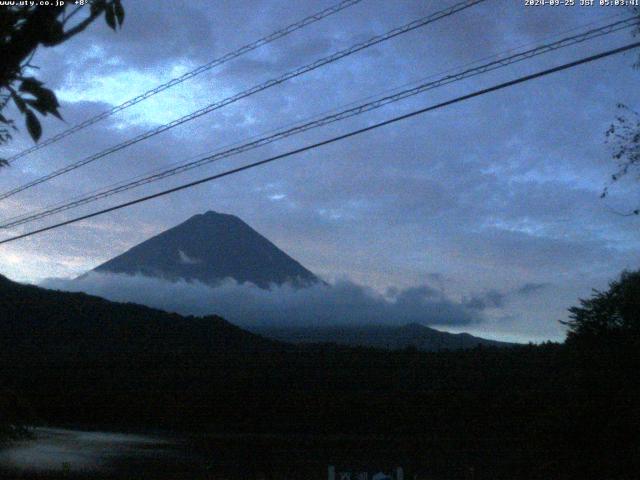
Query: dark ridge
{"x": 64, "y": 324}
{"x": 386, "y": 337}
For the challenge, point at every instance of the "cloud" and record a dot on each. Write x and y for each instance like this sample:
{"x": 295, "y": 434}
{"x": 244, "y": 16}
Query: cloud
{"x": 496, "y": 299}
{"x": 247, "y": 305}
{"x": 490, "y": 299}
{"x": 531, "y": 288}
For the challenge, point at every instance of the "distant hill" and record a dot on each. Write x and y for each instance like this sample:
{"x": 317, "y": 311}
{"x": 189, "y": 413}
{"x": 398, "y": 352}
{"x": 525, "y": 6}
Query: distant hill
{"x": 379, "y": 336}
{"x": 208, "y": 248}
{"x": 54, "y": 323}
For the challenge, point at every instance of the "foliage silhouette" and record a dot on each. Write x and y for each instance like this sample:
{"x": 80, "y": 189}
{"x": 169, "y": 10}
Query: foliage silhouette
{"x": 624, "y": 137}
{"x": 613, "y": 315}
{"x": 25, "y": 27}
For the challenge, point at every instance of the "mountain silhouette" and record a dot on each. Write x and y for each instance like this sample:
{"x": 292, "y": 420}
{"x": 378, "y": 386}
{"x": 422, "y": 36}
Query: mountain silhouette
{"x": 387, "y": 337}
{"x": 54, "y": 324}
{"x": 209, "y": 248}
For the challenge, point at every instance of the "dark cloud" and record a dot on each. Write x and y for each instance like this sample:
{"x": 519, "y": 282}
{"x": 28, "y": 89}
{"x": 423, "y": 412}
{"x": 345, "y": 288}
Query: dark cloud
{"x": 246, "y": 305}
{"x": 531, "y": 288}
{"x": 490, "y": 299}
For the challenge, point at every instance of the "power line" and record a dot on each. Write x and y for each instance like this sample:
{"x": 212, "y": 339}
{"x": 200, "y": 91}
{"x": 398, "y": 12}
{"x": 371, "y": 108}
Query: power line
{"x": 197, "y": 71}
{"x": 353, "y": 133}
{"x": 341, "y": 115}
{"x": 315, "y": 116}
{"x": 251, "y": 91}
{"x": 151, "y": 176}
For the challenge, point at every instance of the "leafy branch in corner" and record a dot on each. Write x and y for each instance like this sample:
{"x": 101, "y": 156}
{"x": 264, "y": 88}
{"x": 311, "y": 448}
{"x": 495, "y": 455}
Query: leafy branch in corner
{"x": 23, "y": 28}
{"x": 624, "y": 137}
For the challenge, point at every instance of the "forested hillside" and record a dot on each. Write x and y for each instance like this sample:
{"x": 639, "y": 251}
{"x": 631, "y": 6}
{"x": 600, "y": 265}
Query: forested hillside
{"x": 549, "y": 411}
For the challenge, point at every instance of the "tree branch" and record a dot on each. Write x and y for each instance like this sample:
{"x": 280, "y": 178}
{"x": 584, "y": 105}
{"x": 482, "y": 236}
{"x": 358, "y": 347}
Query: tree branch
{"x": 68, "y": 17}
{"x": 80, "y": 26}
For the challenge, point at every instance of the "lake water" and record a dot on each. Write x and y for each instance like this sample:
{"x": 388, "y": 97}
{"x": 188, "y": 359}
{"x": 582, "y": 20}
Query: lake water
{"x": 57, "y": 453}
{"x": 73, "y": 453}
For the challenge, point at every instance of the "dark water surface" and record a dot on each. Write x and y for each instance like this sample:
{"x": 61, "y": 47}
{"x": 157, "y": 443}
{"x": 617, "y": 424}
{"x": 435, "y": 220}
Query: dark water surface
{"x": 60, "y": 453}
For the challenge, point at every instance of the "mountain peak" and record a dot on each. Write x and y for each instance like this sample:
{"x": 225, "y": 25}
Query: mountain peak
{"x": 210, "y": 247}
{"x": 213, "y": 214}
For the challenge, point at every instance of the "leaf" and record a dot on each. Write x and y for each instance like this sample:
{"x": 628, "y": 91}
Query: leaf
{"x": 42, "y": 108}
{"x": 48, "y": 101}
{"x": 52, "y": 34}
{"x": 119, "y": 11}
{"x": 30, "y": 85}
{"x": 56, "y": 114}
{"x": 33, "y": 125}
{"x": 35, "y": 104}
{"x": 97, "y": 6}
{"x": 45, "y": 100}
{"x": 19, "y": 102}
{"x": 110, "y": 16}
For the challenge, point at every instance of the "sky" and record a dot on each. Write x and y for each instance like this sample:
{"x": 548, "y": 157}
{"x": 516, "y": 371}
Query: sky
{"x": 495, "y": 200}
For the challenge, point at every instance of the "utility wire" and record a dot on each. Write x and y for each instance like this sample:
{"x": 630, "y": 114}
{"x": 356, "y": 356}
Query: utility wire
{"x": 341, "y": 115}
{"x": 104, "y": 191}
{"x": 197, "y": 71}
{"x": 188, "y": 165}
{"x": 251, "y": 91}
{"x": 315, "y": 116}
{"x": 353, "y": 133}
